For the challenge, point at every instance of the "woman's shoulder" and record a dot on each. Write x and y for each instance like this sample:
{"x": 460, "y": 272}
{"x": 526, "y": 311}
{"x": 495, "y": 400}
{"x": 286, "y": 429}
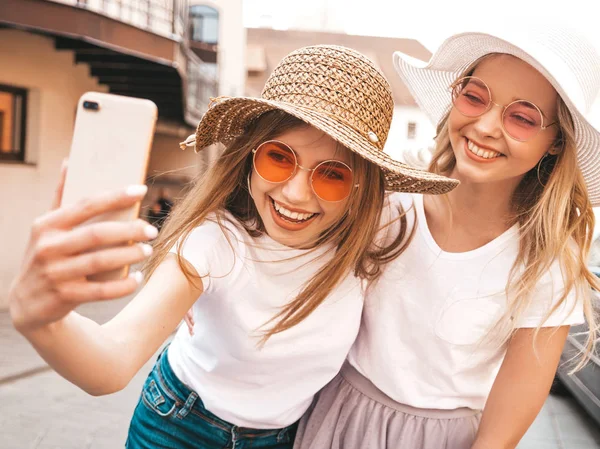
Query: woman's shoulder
{"x": 557, "y": 272}
{"x": 217, "y": 229}
{"x": 557, "y": 300}
{"x": 213, "y": 248}
{"x": 397, "y": 213}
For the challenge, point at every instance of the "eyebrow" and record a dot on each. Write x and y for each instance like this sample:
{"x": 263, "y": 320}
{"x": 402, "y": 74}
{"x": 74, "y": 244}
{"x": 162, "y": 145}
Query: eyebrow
{"x": 530, "y": 105}
{"x": 477, "y": 83}
{"x": 349, "y": 163}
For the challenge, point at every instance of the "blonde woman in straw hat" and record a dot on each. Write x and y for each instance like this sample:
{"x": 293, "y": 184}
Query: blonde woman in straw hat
{"x": 271, "y": 249}
{"x": 462, "y": 334}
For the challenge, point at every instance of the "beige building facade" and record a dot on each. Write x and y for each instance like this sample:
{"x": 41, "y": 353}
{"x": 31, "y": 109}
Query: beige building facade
{"x": 53, "y": 84}
{"x": 49, "y": 79}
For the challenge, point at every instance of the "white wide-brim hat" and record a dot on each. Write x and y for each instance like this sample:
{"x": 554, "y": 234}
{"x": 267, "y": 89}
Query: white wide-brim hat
{"x": 569, "y": 62}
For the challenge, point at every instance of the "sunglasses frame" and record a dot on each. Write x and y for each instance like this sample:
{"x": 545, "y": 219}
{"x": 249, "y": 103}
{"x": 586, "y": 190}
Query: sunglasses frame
{"x": 491, "y": 103}
{"x": 297, "y": 165}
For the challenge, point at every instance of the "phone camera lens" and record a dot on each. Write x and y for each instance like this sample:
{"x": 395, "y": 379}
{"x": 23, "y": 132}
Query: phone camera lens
{"x": 91, "y": 105}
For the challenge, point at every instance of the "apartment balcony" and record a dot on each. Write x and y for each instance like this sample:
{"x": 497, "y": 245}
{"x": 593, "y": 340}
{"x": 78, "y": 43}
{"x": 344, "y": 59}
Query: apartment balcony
{"x": 138, "y": 48}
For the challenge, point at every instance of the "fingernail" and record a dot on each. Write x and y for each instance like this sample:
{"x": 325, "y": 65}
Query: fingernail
{"x": 65, "y": 164}
{"x": 146, "y": 249}
{"x": 150, "y": 231}
{"x": 137, "y": 190}
{"x": 138, "y": 276}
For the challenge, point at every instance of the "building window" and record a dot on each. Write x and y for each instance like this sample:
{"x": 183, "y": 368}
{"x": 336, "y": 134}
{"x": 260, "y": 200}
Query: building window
{"x": 411, "y": 133}
{"x": 204, "y": 22}
{"x": 13, "y": 103}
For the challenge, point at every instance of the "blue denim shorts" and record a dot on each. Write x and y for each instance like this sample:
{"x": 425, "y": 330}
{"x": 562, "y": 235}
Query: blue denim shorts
{"x": 170, "y": 415}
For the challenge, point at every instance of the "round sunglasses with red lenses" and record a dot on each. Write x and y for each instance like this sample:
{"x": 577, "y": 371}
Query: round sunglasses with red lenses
{"x": 522, "y": 120}
{"x": 276, "y": 162}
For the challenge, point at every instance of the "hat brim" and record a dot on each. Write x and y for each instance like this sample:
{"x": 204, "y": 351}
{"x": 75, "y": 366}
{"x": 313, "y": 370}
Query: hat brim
{"x": 228, "y": 119}
{"x": 429, "y": 85}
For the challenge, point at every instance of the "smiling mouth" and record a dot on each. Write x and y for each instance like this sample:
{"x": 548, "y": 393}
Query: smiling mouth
{"x": 481, "y": 152}
{"x": 289, "y": 216}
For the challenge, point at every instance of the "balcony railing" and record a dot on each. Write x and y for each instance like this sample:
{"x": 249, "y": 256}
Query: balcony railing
{"x": 189, "y": 80}
{"x": 167, "y": 18}
{"x": 201, "y": 86}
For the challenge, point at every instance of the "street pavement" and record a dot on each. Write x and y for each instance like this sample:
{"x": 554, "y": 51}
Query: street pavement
{"x": 39, "y": 409}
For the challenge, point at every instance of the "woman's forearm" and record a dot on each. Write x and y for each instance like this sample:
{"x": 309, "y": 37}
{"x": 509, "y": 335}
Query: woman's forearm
{"x": 103, "y": 359}
{"x": 504, "y": 423}
{"x": 520, "y": 388}
{"x": 84, "y": 353}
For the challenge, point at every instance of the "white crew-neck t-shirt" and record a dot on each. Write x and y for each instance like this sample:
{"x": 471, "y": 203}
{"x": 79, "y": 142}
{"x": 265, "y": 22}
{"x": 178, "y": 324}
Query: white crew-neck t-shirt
{"x": 421, "y": 338}
{"x": 249, "y": 280}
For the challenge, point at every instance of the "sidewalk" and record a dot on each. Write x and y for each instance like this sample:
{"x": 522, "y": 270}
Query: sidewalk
{"x": 19, "y": 359}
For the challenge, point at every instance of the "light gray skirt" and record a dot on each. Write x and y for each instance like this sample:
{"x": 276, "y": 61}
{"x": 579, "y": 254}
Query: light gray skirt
{"x": 351, "y": 413}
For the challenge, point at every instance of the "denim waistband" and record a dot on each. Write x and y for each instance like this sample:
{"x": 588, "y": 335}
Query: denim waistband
{"x": 188, "y": 396}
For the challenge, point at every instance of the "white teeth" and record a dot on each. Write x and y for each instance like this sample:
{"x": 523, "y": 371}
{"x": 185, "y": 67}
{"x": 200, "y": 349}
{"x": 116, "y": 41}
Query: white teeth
{"x": 292, "y": 215}
{"x": 486, "y": 154}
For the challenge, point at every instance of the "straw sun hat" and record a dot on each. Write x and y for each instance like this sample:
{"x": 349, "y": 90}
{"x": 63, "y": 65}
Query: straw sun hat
{"x": 569, "y": 62}
{"x": 336, "y": 90}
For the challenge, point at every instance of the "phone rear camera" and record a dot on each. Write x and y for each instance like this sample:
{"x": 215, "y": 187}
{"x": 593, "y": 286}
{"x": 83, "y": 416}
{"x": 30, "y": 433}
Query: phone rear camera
{"x": 91, "y": 105}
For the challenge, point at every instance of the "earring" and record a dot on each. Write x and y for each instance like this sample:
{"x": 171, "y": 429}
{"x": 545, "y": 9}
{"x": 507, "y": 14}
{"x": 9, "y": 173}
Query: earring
{"x": 249, "y": 188}
{"x": 557, "y": 151}
{"x": 556, "y": 148}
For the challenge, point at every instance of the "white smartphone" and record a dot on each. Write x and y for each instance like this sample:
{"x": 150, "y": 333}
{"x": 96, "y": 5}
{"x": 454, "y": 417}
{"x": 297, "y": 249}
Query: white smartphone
{"x": 110, "y": 150}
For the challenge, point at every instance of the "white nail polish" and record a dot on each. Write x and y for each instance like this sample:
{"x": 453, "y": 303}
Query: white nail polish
{"x": 138, "y": 276}
{"x": 146, "y": 249}
{"x": 138, "y": 190}
{"x": 150, "y": 231}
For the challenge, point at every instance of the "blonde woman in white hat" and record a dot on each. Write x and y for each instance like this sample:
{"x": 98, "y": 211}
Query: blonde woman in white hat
{"x": 271, "y": 249}
{"x": 462, "y": 334}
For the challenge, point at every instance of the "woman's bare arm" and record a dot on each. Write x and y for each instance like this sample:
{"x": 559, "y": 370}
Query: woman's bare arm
{"x": 63, "y": 249}
{"x": 521, "y": 387}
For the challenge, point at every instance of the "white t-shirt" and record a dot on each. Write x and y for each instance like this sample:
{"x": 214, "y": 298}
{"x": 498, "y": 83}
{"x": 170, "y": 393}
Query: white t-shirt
{"x": 237, "y": 381}
{"x": 421, "y": 338}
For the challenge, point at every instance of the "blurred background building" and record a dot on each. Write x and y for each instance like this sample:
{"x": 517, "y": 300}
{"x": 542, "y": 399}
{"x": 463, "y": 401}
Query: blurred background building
{"x": 411, "y": 129}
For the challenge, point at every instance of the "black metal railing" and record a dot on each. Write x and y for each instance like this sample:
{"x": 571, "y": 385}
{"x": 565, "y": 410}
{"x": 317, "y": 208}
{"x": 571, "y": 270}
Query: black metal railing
{"x": 202, "y": 84}
{"x": 167, "y": 18}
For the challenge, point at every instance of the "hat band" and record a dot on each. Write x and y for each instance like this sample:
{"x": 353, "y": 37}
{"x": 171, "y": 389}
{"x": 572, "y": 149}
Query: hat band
{"x": 370, "y": 135}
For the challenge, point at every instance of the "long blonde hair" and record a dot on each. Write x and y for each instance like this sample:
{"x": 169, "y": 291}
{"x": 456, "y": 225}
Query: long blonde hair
{"x": 553, "y": 211}
{"x": 225, "y": 188}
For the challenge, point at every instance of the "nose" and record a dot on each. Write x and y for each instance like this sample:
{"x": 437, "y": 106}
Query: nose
{"x": 298, "y": 190}
{"x": 490, "y": 123}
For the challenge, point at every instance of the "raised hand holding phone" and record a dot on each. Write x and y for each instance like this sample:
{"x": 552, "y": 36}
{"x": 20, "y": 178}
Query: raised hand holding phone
{"x": 52, "y": 280}
{"x": 81, "y": 249}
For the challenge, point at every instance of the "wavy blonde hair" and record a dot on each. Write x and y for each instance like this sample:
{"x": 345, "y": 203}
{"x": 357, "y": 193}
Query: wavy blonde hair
{"x": 552, "y": 209}
{"x": 225, "y": 188}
